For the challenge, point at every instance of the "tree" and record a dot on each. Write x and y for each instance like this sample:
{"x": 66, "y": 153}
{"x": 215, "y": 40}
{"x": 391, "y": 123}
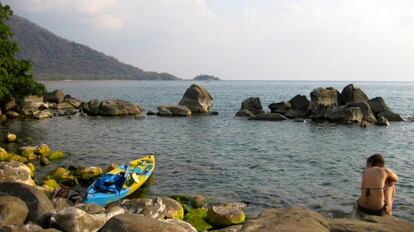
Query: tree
{"x": 16, "y": 77}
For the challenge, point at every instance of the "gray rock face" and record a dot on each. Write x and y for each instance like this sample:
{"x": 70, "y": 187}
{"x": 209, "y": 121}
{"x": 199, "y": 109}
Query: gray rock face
{"x": 378, "y": 105}
{"x": 353, "y": 94}
{"x": 15, "y": 172}
{"x": 36, "y": 200}
{"x": 13, "y": 211}
{"x": 251, "y": 104}
{"x": 64, "y": 106}
{"x": 244, "y": 113}
{"x": 287, "y": 220}
{"x": 226, "y": 215}
{"x": 73, "y": 101}
{"x": 139, "y": 223}
{"x": 346, "y": 115}
{"x": 197, "y": 99}
{"x": 391, "y": 116}
{"x": 56, "y": 96}
{"x": 76, "y": 220}
{"x": 300, "y": 103}
{"x": 268, "y": 117}
{"x": 366, "y": 111}
{"x": 173, "y": 111}
{"x": 280, "y": 107}
{"x": 110, "y": 108}
{"x": 157, "y": 208}
{"x": 322, "y": 101}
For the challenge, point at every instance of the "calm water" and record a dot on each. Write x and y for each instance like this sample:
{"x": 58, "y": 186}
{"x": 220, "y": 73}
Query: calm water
{"x": 269, "y": 164}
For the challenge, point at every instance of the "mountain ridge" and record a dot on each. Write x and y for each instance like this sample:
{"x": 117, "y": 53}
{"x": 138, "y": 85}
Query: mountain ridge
{"x": 56, "y": 58}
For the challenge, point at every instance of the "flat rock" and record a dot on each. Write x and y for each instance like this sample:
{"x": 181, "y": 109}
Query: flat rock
{"x": 345, "y": 115}
{"x": 225, "y": 215}
{"x": 371, "y": 223}
{"x": 13, "y": 211}
{"x": 15, "y": 172}
{"x": 111, "y": 107}
{"x": 287, "y": 220}
{"x": 174, "y": 111}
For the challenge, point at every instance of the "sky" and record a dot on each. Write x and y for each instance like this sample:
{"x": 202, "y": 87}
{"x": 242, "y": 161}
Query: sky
{"x": 353, "y": 40}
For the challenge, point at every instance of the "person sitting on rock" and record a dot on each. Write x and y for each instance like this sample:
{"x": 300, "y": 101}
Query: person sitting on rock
{"x": 377, "y": 187}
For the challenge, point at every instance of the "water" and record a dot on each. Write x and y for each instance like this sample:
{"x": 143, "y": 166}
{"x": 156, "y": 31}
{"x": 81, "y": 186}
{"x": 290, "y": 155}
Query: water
{"x": 269, "y": 164}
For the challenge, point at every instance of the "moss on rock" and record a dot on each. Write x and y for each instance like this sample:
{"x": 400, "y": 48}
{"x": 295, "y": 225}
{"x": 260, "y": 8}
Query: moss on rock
{"x": 44, "y": 161}
{"x": 62, "y": 176}
{"x": 225, "y": 216}
{"x": 17, "y": 158}
{"x": 32, "y": 168}
{"x": 4, "y": 156}
{"x": 198, "y": 219}
{"x": 51, "y": 183}
{"x": 44, "y": 150}
{"x": 56, "y": 155}
{"x": 90, "y": 173}
{"x": 28, "y": 153}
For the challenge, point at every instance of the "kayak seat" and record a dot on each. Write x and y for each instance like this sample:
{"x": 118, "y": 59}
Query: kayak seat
{"x": 109, "y": 183}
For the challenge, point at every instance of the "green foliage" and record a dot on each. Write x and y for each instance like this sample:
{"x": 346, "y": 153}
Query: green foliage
{"x": 16, "y": 78}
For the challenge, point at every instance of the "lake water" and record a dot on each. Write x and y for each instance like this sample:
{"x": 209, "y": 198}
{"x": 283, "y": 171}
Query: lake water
{"x": 269, "y": 164}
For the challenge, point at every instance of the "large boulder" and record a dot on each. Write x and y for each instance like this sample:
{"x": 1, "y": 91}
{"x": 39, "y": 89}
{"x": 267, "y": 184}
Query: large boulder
{"x": 76, "y": 220}
{"x": 251, "y": 104}
{"x": 371, "y": 223}
{"x": 197, "y": 99}
{"x": 139, "y": 223}
{"x": 30, "y": 105}
{"x": 37, "y": 201}
{"x": 382, "y": 121}
{"x": 174, "y": 111}
{"x": 26, "y": 228}
{"x": 158, "y": 208}
{"x": 380, "y": 108}
{"x": 268, "y": 117}
{"x": 56, "y": 96}
{"x": 13, "y": 211}
{"x": 225, "y": 215}
{"x": 299, "y": 106}
{"x": 73, "y": 101}
{"x": 366, "y": 111}
{"x": 198, "y": 219}
{"x": 323, "y": 100}
{"x": 15, "y": 172}
{"x": 391, "y": 116}
{"x": 345, "y": 115}
{"x": 279, "y": 107}
{"x": 43, "y": 114}
{"x": 110, "y": 108}
{"x": 64, "y": 106}
{"x": 287, "y": 220}
{"x": 353, "y": 94}
{"x": 10, "y": 104}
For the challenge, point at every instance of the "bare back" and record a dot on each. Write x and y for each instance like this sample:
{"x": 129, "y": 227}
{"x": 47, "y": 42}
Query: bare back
{"x": 372, "y": 187}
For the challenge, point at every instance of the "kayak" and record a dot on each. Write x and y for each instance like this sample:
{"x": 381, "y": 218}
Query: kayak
{"x": 120, "y": 182}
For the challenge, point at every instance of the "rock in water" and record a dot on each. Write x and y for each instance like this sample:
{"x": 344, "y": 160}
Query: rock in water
{"x": 280, "y": 107}
{"x": 225, "y": 215}
{"x": 15, "y": 172}
{"x": 382, "y": 121}
{"x": 252, "y": 104}
{"x": 322, "y": 102}
{"x": 197, "y": 99}
{"x": 13, "y": 211}
{"x": 56, "y": 96}
{"x": 353, "y": 94}
{"x": 76, "y": 220}
{"x": 110, "y": 108}
{"x": 36, "y": 200}
{"x": 287, "y": 220}
{"x": 378, "y": 105}
{"x": 11, "y": 138}
{"x": 173, "y": 111}
{"x": 139, "y": 223}
{"x": 268, "y": 117}
{"x": 300, "y": 103}
{"x": 345, "y": 115}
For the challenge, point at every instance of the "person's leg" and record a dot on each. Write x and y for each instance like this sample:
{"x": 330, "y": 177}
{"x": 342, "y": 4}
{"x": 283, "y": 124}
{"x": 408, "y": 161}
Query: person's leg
{"x": 389, "y": 192}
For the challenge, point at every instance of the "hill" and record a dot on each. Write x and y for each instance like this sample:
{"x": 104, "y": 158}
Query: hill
{"x": 204, "y": 77}
{"x": 56, "y": 58}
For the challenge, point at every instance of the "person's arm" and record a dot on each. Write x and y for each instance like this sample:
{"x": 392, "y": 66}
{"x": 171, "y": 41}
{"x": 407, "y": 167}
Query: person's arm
{"x": 391, "y": 176}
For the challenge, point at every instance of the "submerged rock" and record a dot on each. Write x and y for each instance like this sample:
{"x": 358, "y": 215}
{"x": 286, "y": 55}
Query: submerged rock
{"x": 13, "y": 211}
{"x": 197, "y": 99}
{"x": 11, "y": 138}
{"x": 15, "y": 172}
{"x": 268, "y": 117}
{"x": 173, "y": 111}
{"x": 56, "y": 155}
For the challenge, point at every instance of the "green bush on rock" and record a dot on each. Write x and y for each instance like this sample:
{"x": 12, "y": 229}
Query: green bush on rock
{"x": 197, "y": 218}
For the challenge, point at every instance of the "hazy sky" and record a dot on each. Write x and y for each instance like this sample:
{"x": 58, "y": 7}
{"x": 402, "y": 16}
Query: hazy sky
{"x": 242, "y": 39}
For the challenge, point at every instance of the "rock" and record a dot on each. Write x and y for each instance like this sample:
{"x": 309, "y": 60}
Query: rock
{"x": 187, "y": 226}
{"x": 391, "y": 116}
{"x": 139, "y": 117}
{"x": 90, "y": 173}
{"x": 56, "y": 96}
{"x": 173, "y": 111}
{"x": 268, "y": 117}
{"x": 287, "y": 220}
{"x": 299, "y": 103}
{"x": 51, "y": 184}
{"x": 158, "y": 208}
{"x": 26, "y": 228}
{"x": 62, "y": 176}
{"x": 37, "y": 201}
{"x": 65, "y": 112}
{"x": 382, "y": 121}
{"x": 198, "y": 219}
{"x": 353, "y": 94}
{"x": 76, "y": 220}
{"x": 322, "y": 102}
{"x": 295, "y": 114}
{"x": 378, "y": 105}
{"x": 11, "y": 138}
{"x": 17, "y": 158}
{"x": 91, "y": 208}
{"x": 244, "y": 113}
{"x": 11, "y": 104}
{"x": 44, "y": 161}
{"x": 32, "y": 168}
{"x": 28, "y": 152}
{"x": 13, "y": 211}
{"x": 15, "y": 172}
{"x": 64, "y": 106}
{"x": 111, "y": 167}
{"x": 3, "y": 117}
{"x": 44, "y": 114}
{"x": 280, "y": 107}
{"x": 371, "y": 223}
{"x": 223, "y": 216}
{"x": 56, "y": 155}
{"x": 30, "y": 104}
{"x": 235, "y": 228}
{"x": 366, "y": 111}
{"x": 197, "y": 99}
{"x": 12, "y": 114}
{"x": 43, "y": 150}
{"x": 214, "y": 113}
{"x": 151, "y": 113}
{"x": 73, "y": 101}
{"x": 345, "y": 115}
{"x": 251, "y": 104}
{"x": 200, "y": 201}
{"x": 139, "y": 223}
{"x": 113, "y": 107}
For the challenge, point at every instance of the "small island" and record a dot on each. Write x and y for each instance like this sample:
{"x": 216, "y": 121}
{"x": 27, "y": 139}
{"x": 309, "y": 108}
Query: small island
{"x": 205, "y": 77}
